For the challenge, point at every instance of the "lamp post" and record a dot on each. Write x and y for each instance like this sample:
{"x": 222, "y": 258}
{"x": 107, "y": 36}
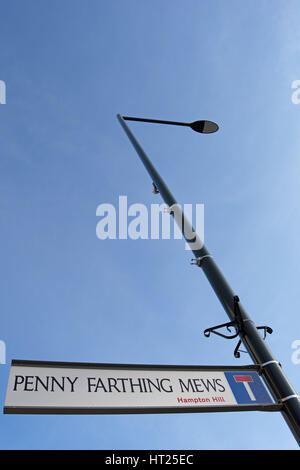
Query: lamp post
{"x": 271, "y": 370}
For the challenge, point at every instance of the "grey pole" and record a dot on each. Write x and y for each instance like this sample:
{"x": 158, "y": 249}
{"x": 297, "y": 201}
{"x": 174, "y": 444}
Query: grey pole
{"x": 271, "y": 370}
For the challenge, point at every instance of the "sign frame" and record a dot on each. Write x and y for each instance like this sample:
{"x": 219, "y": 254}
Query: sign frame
{"x": 138, "y": 410}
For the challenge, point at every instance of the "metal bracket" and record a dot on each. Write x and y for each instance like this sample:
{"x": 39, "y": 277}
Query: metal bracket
{"x": 228, "y": 325}
{"x": 237, "y": 351}
{"x": 237, "y": 324}
{"x": 155, "y": 190}
{"x": 198, "y": 262}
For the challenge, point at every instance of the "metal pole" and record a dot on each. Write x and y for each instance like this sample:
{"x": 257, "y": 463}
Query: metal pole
{"x": 271, "y": 370}
{"x": 157, "y": 121}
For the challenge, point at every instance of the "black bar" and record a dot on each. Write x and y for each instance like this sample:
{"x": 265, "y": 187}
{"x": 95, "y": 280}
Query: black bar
{"x": 140, "y": 410}
{"x": 157, "y": 121}
{"x": 93, "y": 365}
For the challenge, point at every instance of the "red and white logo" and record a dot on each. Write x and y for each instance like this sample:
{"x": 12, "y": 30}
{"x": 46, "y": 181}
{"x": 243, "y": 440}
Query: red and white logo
{"x": 245, "y": 379}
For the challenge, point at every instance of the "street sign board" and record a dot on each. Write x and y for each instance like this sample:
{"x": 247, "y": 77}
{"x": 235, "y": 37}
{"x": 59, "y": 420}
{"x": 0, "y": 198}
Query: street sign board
{"x": 38, "y": 387}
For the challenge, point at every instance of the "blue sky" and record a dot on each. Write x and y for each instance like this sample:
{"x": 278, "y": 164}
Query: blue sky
{"x": 69, "y": 67}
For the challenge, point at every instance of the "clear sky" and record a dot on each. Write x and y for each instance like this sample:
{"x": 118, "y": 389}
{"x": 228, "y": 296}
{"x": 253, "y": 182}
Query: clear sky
{"x": 69, "y": 67}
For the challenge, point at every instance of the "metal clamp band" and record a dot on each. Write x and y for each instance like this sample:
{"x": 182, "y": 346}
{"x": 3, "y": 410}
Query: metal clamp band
{"x": 270, "y": 362}
{"x": 289, "y": 398}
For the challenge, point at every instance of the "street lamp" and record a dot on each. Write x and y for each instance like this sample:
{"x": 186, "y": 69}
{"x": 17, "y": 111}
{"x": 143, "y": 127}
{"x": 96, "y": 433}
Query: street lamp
{"x": 204, "y": 127}
{"x": 271, "y": 370}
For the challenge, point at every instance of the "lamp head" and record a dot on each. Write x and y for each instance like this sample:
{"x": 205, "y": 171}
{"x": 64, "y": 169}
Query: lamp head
{"x": 204, "y": 127}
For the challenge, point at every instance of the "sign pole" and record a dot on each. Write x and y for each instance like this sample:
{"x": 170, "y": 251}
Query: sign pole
{"x": 271, "y": 370}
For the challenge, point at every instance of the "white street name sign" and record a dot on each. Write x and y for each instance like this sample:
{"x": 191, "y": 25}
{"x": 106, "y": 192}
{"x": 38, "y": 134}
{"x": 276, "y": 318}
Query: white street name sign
{"x": 40, "y": 387}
